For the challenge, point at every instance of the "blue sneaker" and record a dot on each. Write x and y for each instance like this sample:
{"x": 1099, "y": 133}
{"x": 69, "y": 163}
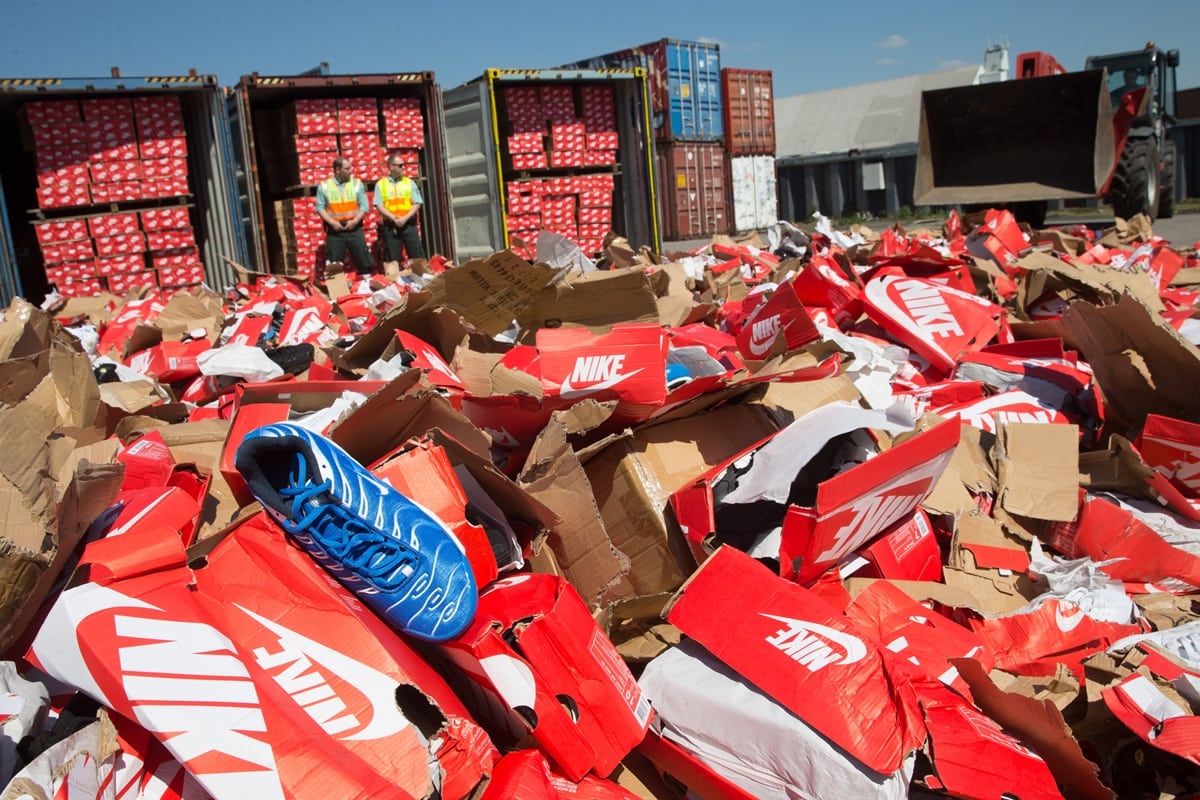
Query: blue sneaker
{"x": 400, "y": 559}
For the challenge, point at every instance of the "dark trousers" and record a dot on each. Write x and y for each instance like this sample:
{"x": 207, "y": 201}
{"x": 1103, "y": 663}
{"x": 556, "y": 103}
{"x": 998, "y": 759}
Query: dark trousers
{"x": 338, "y": 242}
{"x": 398, "y": 240}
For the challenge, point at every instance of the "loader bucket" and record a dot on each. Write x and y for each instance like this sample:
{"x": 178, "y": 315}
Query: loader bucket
{"x": 1029, "y": 139}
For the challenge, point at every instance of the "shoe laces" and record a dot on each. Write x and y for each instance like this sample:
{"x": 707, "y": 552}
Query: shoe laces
{"x": 380, "y": 558}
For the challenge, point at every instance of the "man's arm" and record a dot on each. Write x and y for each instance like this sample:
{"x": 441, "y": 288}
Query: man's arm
{"x": 417, "y": 200}
{"x": 362, "y": 208}
{"x": 323, "y": 211}
{"x": 383, "y": 212}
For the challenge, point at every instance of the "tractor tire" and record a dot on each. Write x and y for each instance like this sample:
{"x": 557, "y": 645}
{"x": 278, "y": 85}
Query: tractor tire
{"x": 1166, "y": 192}
{"x": 1134, "y": 187}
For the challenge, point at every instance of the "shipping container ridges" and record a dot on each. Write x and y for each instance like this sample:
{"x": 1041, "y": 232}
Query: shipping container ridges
{"x": 565, "y": 72}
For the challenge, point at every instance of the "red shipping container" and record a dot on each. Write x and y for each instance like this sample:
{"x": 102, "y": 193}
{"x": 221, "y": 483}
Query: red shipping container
{"x": 157, "y": 219}
{"x": 691, "y": 179}
{"x": 113, "y": 225}
{"x": 120, "y": 265}
{"x": 120, "y": 283}
{"x": 749, "y": 111}
{"x": 60, "y": 231}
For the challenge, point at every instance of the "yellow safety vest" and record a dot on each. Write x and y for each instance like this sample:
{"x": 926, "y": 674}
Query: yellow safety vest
{"x": 397, "y": 195}
{"x": 342, "y": 198}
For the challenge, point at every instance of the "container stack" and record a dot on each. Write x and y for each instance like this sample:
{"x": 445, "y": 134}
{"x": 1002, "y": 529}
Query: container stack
{"x": 549, "y": 150}
{"x": 749, "y": 101}
{"x": 558, "y": 129}
{"x": 684, "y": 82}
{"x": 362, "y": 118}
{"x": 112, "y": 178}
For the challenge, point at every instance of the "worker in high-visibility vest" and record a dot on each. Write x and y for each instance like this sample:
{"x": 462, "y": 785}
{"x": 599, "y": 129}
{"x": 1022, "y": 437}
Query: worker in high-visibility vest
{"x": 342, "y": 204}
{"x": 399, "y": 201}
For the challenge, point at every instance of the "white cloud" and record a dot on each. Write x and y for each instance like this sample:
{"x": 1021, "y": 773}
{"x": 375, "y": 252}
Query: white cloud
{"x": 885, "y": 62}
{"x": 895, "y": 40}
{"x": 951, "y": 63}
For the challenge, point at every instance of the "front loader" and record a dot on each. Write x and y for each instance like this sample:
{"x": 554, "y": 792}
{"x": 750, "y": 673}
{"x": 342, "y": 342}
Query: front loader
{"x": 1096, "y": 133}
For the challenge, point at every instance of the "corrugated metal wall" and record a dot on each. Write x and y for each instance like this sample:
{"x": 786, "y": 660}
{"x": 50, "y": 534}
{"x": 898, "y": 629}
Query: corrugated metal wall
{"x": 877, "y": 183}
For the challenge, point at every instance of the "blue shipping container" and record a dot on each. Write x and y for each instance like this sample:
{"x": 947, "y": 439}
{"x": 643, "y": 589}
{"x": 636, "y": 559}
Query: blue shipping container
{"x": 685, "y": 86}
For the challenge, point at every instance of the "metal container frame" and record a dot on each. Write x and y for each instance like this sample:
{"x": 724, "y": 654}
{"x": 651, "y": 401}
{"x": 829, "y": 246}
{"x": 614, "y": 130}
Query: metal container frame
{"x": 262, "y": 95}
{"x": 475, "y": 157}
{"x": 212, "y": 177}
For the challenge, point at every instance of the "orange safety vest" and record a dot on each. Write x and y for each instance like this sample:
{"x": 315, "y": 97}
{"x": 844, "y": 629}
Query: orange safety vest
{"x": 342, "y": 198}
{"x": 397, "y": 195}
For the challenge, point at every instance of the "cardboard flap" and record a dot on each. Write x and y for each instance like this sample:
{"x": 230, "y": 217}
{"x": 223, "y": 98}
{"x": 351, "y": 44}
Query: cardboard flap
{"x": 597, "y": 301}
{"x": 1038, "y": 469}
{"x": 580, "y": 542}
{"x": 1041, "y": 727}
{"x": 187, "y": 311}
{"x": 1141, "y": 363}
{"x": 989, "y": 547}
{"x": 491, "y": 293}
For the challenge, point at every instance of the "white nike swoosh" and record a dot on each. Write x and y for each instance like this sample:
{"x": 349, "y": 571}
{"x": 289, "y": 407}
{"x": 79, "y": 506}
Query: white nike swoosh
{"x": 570, "y": 391}
{"x": 378, "y": 688}
{"x": 758, "y": 348}
{"x": 1067, "y": 624}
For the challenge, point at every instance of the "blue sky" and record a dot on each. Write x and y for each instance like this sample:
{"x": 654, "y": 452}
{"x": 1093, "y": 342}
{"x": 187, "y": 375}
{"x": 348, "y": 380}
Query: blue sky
{"x": 809, "y": 46}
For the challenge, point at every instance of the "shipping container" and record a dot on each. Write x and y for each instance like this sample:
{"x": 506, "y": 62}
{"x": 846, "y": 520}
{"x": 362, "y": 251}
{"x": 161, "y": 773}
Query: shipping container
{"x": 288, "y": 130}
{"x": 752, "y": 190}
{"x": 95, "y": 165}
{"x": 685, "y": 86}
{"x": 567, "y": 151}
{"x": 692, "y": 177}
{"x": 748, "y": 98}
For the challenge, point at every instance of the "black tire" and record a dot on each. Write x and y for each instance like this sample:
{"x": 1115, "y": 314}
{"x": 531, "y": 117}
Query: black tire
{"x": 1166, "y": 191}
{"x": 1135, "y": 185}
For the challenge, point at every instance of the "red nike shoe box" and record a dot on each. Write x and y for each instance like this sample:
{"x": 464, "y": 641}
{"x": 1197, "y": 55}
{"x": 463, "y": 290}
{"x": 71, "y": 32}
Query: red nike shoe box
{"x": 424, "y": 473}
{"x": 526, "y": 775}
{"x": 169, "y": 362}
{"x": 802, "y": 653}
{"x": 782, "y": 314}
{"x": 938, "y": 323}
{"x": 142, "y": 515}
{"x": 852, "y": 508}
{"x": 148, "y": 463}
{"x": 535, "y": 649}
{"x": 907, "y": 552}
{"x": 257, "y": 671}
